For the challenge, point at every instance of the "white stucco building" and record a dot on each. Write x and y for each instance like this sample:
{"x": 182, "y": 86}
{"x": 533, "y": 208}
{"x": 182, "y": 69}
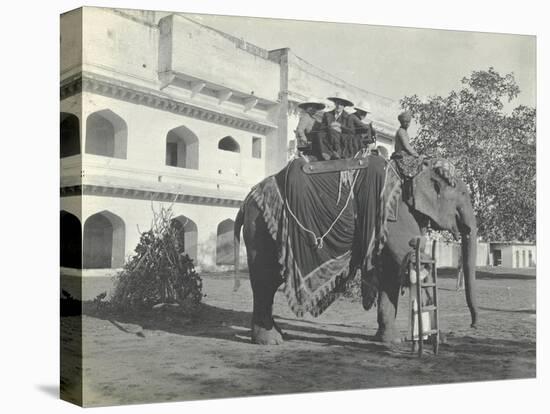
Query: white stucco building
{"x": 159, "y": 109}
{"x": 513, "y": 254}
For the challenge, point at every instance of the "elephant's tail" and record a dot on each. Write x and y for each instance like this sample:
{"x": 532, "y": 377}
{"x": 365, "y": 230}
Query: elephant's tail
{"x": 239, "y": 220}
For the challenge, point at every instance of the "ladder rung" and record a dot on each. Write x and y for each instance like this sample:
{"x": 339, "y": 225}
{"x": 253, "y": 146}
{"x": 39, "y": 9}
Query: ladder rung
{"x": 428, "y": 285}
{"x": 423, "y": 261}
{"x": 428, "y": 308}
{"x": 426, "y": 333}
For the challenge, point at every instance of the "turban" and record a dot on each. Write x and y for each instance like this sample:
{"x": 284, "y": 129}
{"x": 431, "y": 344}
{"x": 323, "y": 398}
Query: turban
{"x": 404, "y": 116}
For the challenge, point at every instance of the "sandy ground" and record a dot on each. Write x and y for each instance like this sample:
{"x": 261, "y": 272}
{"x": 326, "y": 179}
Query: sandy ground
{"x": 168, "y": 359}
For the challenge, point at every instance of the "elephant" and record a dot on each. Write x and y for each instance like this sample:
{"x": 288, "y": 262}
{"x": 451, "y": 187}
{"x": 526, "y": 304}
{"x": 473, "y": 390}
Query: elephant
{"x": 438, "y": 202}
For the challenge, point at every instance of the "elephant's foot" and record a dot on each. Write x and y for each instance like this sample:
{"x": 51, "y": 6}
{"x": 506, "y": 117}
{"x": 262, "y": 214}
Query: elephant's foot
{"x": 262, "y": 336}
{"x": 388, "y": 336}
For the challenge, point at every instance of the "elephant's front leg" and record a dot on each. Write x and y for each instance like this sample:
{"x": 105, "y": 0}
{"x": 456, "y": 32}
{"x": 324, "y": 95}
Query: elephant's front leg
{"x": 388, "y": 298}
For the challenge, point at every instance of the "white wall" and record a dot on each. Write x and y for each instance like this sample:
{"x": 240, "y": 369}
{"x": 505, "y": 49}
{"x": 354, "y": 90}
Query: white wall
{"x": 113, "y": 43}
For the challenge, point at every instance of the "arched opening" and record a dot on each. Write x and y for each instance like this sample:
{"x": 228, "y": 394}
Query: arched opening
{"x": 225, "y": 243}
{"x": 106, "y": 134}
{"x": 256, "y": 147}
{"x": 69, "y": 129}
{"x": 104, "y": 235}
{"x": 182, "y": 148}
{"x": 70, "y": 241}
{"x": 187, "y": 230}
{"x": 229, "y": 144}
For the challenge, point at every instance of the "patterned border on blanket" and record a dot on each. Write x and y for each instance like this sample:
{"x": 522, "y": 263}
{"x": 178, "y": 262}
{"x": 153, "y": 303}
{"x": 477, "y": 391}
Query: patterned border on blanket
{"x": 302, "y": 298}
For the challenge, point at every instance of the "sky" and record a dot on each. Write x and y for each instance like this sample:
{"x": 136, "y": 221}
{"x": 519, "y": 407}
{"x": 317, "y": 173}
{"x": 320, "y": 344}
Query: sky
{"x": 393, "y": 61}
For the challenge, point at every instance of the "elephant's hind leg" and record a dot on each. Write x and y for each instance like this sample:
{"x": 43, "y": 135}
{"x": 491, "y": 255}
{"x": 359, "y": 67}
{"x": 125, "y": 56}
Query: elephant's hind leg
{"x": 264, "y": 278}
{"x": 265, "y": 282}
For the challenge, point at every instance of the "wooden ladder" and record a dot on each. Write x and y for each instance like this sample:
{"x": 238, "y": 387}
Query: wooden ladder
{"x": 417, "y": 263}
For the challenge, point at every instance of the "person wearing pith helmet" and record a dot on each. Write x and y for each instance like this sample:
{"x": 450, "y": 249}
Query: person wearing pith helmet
{"x": 365, "y": 135}
{"x": 308, "y": 126}
{"x": 337, "y": 125}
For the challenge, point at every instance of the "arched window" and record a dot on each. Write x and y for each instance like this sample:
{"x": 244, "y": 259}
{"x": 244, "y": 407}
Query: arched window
{"x": 69, "y": 128}
{"x": 71, "y": 241}
{"x": 104, "y": 235}
{"x": 188, "y": 235}
{"x": 106, "y": 134}
{"x": 182, "y": 148}
{"x": 225, "y": 243}
{"x": 229, "y": 144}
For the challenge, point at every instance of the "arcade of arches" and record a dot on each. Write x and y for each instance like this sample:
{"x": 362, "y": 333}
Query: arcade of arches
{"x": 102, "y": 243}
{"x": 107, "y": 135}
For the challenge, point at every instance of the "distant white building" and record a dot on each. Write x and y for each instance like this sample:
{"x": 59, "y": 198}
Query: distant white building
{"x": 158, "y": 109}
{"x": 505, "y": 254}
{"x": 513, "y": 254}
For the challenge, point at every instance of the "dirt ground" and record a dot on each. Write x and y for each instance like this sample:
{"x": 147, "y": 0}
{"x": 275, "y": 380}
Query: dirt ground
{"x": 168, "y": 359}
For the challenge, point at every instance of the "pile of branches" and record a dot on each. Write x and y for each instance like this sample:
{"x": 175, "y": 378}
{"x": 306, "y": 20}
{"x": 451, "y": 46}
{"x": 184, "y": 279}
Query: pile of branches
{"x": 160, "y": 273}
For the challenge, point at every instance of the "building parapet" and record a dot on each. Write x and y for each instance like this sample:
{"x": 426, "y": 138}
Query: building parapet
{"x": 240, "y": 43}
{"x": 184, "y": 45}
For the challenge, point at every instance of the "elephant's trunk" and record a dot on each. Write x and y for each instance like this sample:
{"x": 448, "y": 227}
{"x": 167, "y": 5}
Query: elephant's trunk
{"x": 468, "y": 231}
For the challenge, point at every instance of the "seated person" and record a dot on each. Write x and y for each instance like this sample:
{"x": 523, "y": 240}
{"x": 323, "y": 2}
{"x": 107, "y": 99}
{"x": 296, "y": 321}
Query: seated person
{"x": 365, "y": 135}
{"x": 407, "y": 159}
{"x": 308, "y": 126}
{"x": 338, "y": 130}
{"x": 402, "y": 140}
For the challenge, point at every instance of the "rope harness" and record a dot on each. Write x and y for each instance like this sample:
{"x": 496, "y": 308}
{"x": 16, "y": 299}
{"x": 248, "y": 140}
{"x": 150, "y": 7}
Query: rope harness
{"x": 317, "y": 239}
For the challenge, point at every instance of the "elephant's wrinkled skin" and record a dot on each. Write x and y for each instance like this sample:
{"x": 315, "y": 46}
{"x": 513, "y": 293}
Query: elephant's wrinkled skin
{"x": 447, "y": 207}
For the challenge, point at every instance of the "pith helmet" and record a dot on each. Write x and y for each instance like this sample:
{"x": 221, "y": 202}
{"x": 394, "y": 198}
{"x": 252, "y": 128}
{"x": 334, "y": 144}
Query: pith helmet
{"x": 363, "y": 108}
{"x": 338, "y": 100}
{"x": 312, "y": 104}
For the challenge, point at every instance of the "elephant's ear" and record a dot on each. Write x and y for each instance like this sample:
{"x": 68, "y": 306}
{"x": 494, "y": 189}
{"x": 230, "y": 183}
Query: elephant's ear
{"x": 426, "y": 195}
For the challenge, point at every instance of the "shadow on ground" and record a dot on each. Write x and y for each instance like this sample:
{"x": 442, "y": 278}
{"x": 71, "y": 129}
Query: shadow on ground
{"x": 218, "y": 323}
{"x": 230, "y": 325}
{"x": 527, "y": 311}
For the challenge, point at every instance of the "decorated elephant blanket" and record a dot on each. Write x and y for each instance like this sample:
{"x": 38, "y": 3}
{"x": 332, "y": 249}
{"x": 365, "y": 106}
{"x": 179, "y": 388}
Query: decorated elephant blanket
{"x": 325, "y": 228}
